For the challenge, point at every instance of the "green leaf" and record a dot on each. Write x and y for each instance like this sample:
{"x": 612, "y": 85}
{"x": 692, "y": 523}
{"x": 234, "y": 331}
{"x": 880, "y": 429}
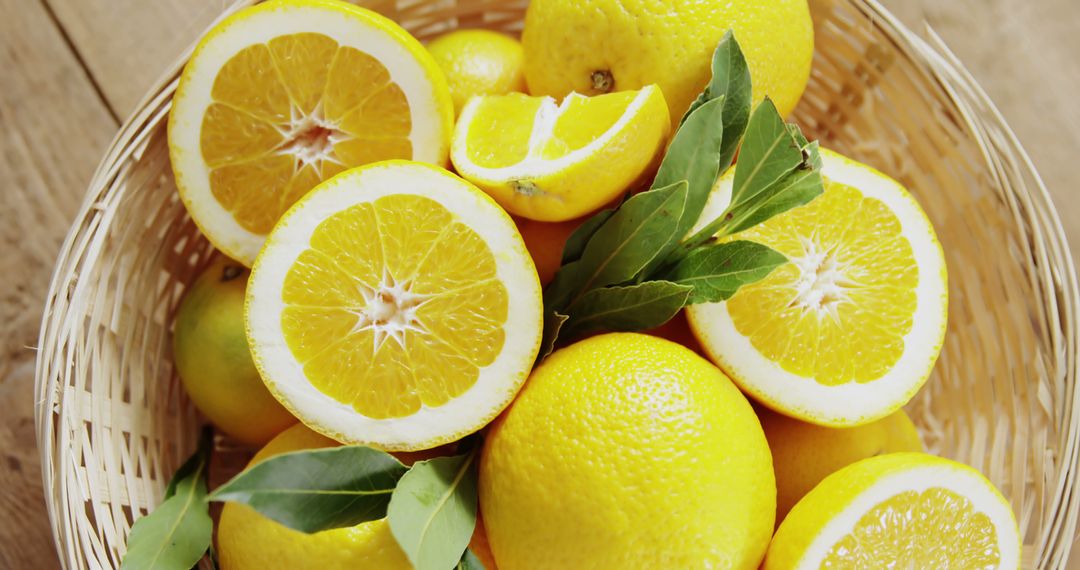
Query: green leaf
{"x": 469, "y": 561}
{"x": 575, "y": 244}
{"x": 433, "y": 511}
{"x": 177, "y": 533}
{"x": 627, "y": 241}
{"x": 553, "y": 323}
{"x": 694, "y": 156}
{"x": 797, "y": 187}
{"x": 716, "y": 271}
{"x": 318, "y": 489}
{"x": 768, "y": 153}
{"x": 730, "y": 80}
{"x": 628, "y": 308}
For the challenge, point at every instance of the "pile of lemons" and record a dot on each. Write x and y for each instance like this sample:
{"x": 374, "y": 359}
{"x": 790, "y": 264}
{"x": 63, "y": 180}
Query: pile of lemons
{"x": 382, "y": 299}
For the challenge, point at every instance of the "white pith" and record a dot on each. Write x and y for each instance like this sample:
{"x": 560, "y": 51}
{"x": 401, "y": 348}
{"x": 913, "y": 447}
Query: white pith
{"x": 547, "y": 115}
{"x": 958, "y": 480}
{"x": 497, "y": 383}
{"x": 822, "y": 289}
{"x": 428, "y": 136}
{"x": 307, "y": 149}
{"x": 390, "y": 310}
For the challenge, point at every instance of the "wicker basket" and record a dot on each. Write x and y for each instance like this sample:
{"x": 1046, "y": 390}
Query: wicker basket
{"x": 113, "y": 422}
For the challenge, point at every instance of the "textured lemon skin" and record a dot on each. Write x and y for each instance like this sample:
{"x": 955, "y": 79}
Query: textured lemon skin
{"x": 804, "y": 454}
{"x": 248, "y": 540}
{"x": 835, "y": 493}
{"x": 669, "y": 42}
{"x": 627, "y": 451}
{"x": 210, "y": 350}
{"x": 584, "y": 185}
{"x": 545, "y": 242}
{"x": 479, "y": 62}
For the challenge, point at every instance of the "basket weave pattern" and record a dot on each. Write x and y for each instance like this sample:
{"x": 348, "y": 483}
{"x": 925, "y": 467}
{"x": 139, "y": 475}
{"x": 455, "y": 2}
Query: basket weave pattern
{"x": 113, "y": 422}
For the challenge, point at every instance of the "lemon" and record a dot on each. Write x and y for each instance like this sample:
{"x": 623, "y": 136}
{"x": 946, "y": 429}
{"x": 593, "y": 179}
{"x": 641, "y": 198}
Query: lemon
{"x": 247, "y": 540}
{"x": 283, "y": 95}
{"x": 545, "y": 241}
{"x": 211, "y": 355}
{"x": 555, "y": 162}
{"x": 394, "y": 306}
{"x": 599, "y": 46}
{"x": 804, "y": 454}
{"x": 479, "y": 62}
{"x": 627, "y": 451}
{"x": 849, "y": 330}
{"x": 903, "y": 510}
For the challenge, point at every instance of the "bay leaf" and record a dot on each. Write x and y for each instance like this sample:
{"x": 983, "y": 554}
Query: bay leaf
{"x": 318, "y": 489}
{"x": 432, "y": 513}
{"x": 717, "y": 271}
{"x": 628, "y": 308}
{"x": 176, "y": 534}
{"x": 629, "y": 239}
{"x": 796, "y": 188}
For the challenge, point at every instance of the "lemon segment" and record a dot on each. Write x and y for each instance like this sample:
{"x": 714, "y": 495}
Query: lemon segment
{"x": 281, "y": 96}
{"x": 848, "y": 331}
{"x": 907, "y": 510}
{"x": 554, "y": 162}
{"x": 396, "y": 306}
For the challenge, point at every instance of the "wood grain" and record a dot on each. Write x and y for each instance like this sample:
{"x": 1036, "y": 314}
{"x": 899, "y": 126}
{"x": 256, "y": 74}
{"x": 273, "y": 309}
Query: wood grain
{"x": 126, "y": 44}
{"x": 54, "y": 128}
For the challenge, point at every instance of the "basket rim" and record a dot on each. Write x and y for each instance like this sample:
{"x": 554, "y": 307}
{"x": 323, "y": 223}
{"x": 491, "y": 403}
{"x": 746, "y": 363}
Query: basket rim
{"x": 932, "y": 58}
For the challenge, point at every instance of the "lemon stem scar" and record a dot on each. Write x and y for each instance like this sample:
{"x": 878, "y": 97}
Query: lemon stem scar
{"x": 602, "y": 81}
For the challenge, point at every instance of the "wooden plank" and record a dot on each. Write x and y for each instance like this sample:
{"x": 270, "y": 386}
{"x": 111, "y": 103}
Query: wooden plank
{"x": 127, "y": 44}
{"x": 53, "y": 129}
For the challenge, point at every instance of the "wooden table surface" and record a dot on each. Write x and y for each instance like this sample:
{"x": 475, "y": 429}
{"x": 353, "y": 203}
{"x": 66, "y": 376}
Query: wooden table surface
{"x": 74, "y": 69}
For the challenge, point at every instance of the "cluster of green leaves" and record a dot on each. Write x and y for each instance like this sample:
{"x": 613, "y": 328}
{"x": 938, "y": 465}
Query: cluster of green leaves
{"x": 430, "y": 506}
{"x": 625, "y": 269}
{"x": 634, "y": 267}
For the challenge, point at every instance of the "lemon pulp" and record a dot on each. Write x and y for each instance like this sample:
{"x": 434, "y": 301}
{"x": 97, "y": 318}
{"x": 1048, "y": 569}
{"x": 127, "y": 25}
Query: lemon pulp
{"x": 851, "y": 287}
{"x": 395, "y": 305}
{"x": 307, "y": 108}
{"x": 908, "y": 527}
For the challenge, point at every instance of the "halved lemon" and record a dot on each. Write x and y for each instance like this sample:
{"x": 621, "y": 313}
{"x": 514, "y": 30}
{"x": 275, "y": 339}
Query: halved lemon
{"x": 394, "y": 306}
{"x": 902, "y": 510}
{"x": 849, "y": 330}
{"x": 284, "y": 95}
{"x": 555, "y": 162}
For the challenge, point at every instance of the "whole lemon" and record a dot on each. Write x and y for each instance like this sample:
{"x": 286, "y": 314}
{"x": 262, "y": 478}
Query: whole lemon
{"x": 479, "y": 62}
{"x": 804, "y": 454}
{"x": 627, "y": 451}
{"x": 210, "y": 351}
{"x": 248, "y": 540}
{"x": 599, "y": 46}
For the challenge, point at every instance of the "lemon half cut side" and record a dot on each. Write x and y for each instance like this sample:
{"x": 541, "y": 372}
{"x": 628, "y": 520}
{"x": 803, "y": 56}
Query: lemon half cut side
{"x": 394, "y": 306}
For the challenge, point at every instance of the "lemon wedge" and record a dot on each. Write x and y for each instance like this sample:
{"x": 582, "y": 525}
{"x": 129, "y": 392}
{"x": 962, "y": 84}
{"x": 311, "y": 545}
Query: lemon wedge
{"x": 554, "y": 162}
